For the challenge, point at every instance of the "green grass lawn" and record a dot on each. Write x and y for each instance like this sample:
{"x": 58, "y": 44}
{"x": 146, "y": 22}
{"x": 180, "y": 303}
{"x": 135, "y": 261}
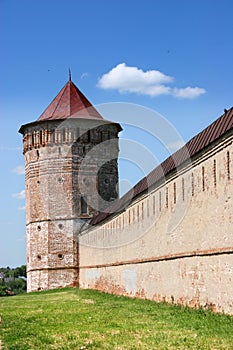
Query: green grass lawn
{"x": 69, "y": 319}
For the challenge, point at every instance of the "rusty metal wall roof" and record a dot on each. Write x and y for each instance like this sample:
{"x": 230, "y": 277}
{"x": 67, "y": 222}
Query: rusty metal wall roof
{"x": 197, "y": 144}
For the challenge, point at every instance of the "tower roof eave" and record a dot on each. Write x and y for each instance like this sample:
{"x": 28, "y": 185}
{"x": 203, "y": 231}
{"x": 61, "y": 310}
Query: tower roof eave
{"x": 79, "y": 119}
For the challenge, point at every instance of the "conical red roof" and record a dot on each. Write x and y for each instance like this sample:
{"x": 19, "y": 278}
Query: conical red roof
{"x": 70, "y": 103}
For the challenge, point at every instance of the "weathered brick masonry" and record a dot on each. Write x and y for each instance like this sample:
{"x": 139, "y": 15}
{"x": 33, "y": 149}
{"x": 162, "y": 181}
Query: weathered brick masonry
{"x": 169, "y": 238}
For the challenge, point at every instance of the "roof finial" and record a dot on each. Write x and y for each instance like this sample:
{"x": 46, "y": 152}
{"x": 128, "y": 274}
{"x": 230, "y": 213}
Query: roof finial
{"x": 69, "y": 74}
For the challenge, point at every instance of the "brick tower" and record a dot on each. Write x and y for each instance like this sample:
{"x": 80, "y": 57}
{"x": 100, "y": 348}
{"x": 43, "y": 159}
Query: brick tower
{"x": 71, "y": 165}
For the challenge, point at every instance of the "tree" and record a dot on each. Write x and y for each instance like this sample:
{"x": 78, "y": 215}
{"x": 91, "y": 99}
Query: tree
{"x": 10, "y": 281}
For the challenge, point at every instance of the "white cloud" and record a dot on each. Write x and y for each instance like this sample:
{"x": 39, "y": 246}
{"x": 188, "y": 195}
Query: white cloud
{"x": 152, "y": 82}
{"x": 22, "y": 208}
{"x": 19, "y": 170}
{"x": 188, "y": 92}
{"x": 154, "y": 90}
{"x": 132, "y": 79}
{"x": 20, "y": 195}
{"x": 84, "y": 75}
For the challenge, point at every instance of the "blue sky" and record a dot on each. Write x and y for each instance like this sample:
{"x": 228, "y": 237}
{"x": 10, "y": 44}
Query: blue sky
{"x": 174, "y": 57}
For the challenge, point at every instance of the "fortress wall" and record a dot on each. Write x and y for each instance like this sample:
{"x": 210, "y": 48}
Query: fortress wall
{"x": 174, "y": 243}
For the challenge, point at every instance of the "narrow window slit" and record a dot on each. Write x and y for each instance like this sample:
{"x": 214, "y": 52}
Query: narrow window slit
{"x": 228, "y": 166}
{"x": 166, "y": 197}
{"x": 192, "y": 184}
{"x": 203, "y": 179}
{"x": 214, "y": 173}
{"x": 83, "y": 205}
{"x": 174, "y": 189}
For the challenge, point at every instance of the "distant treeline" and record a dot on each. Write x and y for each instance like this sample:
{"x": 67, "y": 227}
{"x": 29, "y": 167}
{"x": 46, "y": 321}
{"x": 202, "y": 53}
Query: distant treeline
{"x": 12, "y": 280}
